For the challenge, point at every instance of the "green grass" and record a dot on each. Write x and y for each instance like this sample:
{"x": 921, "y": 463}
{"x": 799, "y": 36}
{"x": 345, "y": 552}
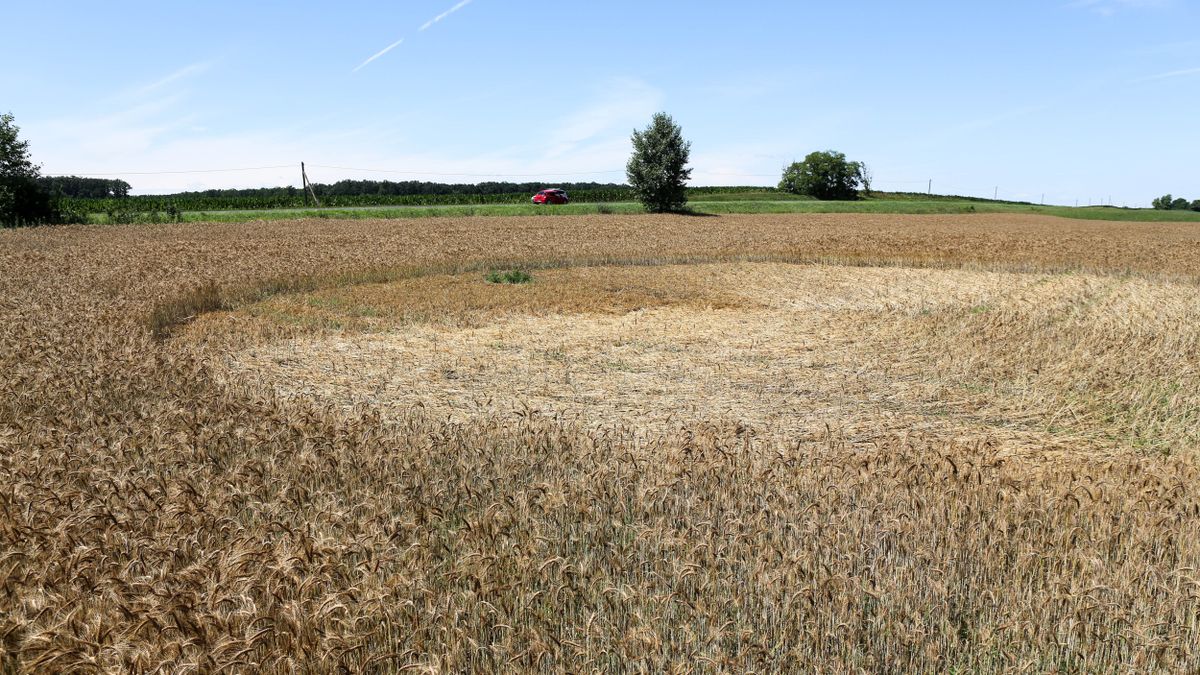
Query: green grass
{"x": 739, "y": 202}
{"x": 764, "y": 195}
{"x": 508, "y": 277}
{"x": 935, "y": 206}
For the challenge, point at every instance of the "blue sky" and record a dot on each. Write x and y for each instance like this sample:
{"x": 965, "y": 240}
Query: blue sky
{"x": 1073, "y": 99}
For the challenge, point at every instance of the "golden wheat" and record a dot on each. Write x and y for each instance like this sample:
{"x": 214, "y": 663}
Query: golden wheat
{"x": 1034, "y": 360}
{"x": 158, "y": 513}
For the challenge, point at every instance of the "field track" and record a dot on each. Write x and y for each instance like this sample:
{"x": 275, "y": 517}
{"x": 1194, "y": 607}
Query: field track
{"x": 1032, "y": 503}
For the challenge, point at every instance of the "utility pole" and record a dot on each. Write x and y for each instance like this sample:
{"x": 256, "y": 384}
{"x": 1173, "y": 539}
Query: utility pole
{"x": 1043, "y": 199}
{"x": 996, "y": 194}
{"x": 308, "y": 187}
{"x": 930, "y": 189}
{"x": 304, "y": 184}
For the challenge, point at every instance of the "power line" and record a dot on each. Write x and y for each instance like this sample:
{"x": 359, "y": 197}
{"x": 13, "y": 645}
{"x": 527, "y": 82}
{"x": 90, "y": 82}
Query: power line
{"x": 486, "y": 175}
{"x": 743, "y": 175}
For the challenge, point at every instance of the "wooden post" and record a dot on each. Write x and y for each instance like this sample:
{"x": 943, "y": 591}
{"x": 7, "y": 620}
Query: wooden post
{"x": 308, "y": 188}
{"x": 304, "y": 184}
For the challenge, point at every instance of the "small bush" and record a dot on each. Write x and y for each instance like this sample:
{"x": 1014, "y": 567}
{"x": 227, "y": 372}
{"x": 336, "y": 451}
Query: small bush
{"x": 604, "y": 208}
{"x": 508, "y": 277}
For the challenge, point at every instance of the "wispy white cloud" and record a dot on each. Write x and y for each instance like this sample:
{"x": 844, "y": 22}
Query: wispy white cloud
{"x": 752, "y": 163}
{"x": 981, "y": 123}
{"x": 439, "y": 17}
{"x": 131, "y": 121}
{"x": 1180, "y": 48}
{"x": 621, "y": 105}
{"x": 124, "y": 133}
{"x": 1174, "y": 73}
{"x": 184, "y": 72}
{"x": 1110, "y": 7}
{"x": 379, "y": 53}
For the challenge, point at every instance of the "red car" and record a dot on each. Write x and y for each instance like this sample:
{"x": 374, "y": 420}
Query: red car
{"x": 551, "y": 196}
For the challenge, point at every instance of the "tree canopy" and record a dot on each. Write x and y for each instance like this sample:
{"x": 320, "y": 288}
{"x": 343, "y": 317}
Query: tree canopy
{"x": 85, "y": 188}
{"x": 1168, "y": 202}
{"x": 825, "y": 175}
{"x": 22, "y": 200}
{"x": 657, "y": 170}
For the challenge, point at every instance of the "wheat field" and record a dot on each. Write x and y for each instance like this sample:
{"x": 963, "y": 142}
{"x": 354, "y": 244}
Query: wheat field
{"x": 692, "y": 444}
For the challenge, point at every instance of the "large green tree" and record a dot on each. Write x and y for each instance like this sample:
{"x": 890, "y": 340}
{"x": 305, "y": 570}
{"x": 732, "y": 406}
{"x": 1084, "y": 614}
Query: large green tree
{"x": 825, "y": 175}
{"x": 657, "y": 170}
{"x": 22, "y": 200}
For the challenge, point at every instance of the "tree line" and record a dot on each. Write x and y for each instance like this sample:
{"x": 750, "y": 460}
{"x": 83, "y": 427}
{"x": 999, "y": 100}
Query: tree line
{"x": 354, "y": 188}
{"x": 1169, "y": 203}
{"x": 84, "y": 188}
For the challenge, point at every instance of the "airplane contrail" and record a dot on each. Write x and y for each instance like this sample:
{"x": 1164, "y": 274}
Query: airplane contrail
{"x": 378, "y": 54}
{"x": 439, "y": 17}
{"x": 446, "y": 13}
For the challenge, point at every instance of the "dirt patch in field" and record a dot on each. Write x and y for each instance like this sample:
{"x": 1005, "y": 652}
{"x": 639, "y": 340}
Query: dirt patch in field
{"x": 785, "y": 351}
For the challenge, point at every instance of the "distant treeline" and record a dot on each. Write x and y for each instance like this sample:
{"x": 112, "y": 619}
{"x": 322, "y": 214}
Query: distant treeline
{"x": 1169, "y": 203}
{"x": 84, "y": 188}
{"x": 364, "y": 193}
{"x": 413, "y": 187}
